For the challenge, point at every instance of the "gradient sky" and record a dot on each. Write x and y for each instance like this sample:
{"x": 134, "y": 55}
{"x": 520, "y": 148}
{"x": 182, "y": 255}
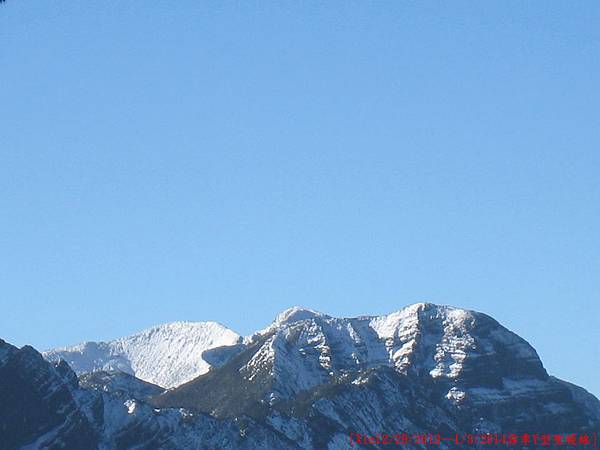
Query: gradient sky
{"x": 199, "y": 160}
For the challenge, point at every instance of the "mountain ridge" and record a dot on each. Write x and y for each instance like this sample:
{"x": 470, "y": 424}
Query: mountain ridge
{"x": 166, "y": 355}
{"x": 462, "y": 369}
{"x": 306, "y": 381}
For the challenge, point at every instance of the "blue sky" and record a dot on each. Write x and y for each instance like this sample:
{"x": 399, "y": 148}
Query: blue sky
{"x": 191, "y": 160}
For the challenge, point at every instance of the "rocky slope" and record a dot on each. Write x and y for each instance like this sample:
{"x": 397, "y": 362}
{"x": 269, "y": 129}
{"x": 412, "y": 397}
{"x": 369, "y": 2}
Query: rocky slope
{"x": 425, "y": 367}
{"x": 305, "y": 382}
{"x": 39, "y": 405}
{"x": 166, "y": 355}
{"x": 44, "y": 406}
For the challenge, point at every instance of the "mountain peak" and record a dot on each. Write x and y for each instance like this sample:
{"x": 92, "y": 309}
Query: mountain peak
{"x": 304, "y": 349}
{"x": 301, "y": 383}
{"x": 417, "y": 313}
{"x": 347, "y": 373}
{"x": 166, "y": 355}
{"x": 296, "y": 314}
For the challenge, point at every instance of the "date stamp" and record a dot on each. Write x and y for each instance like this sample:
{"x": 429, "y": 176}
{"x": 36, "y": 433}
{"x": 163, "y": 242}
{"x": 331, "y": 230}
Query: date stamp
{"x": 514, "y": 440}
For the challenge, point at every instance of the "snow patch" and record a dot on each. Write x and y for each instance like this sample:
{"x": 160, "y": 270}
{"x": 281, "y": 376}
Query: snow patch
{"x": 166, "y": 355}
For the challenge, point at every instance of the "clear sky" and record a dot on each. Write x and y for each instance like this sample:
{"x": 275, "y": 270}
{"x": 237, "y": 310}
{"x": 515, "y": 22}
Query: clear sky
{"x": 199, "y": 160}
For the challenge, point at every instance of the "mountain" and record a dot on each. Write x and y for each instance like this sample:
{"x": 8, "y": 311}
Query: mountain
{"x": 166, "y": 355}
{"x": 44, "y": 406}
{"x": 120, "y": 384}
{"x": 39, "y": 402}
{"x": 308, "y": 381}
{"x": 425, "y": 367}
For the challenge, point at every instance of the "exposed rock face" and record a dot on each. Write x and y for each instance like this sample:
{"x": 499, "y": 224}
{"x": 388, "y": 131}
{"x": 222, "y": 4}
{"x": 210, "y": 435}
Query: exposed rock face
{"x": 43, "y": 407}
{"x": 305, "y": 382}
{"x": 166, "y": 355}
{"x": 425, "y": 367}
{"x": 120, "y": 384}
{"x": 38, "y": 403}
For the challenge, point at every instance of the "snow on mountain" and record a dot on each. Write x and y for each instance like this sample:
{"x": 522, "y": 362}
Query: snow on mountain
{"x": 313, "y": 377}
{"x": 166, "y": 355}
{"x": 303, "y": 348}
{"x": 119, "y": 383}
{"x": 44, "y": 406}
{"x": 302, "y": 383}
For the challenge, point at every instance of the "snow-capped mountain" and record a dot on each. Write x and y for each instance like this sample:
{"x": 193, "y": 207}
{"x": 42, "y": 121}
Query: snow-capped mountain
{"x": 166, "y": 355}
{"x": 305, "y": 382}
{"x": 45, "y": 407}
{"x": 425, "y": 367}
{"x": 304, "y": 349}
